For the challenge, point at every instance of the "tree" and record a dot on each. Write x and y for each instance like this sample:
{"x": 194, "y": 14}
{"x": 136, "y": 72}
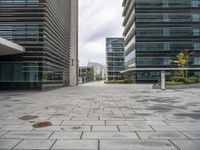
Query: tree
{"x": 182, "y": 61}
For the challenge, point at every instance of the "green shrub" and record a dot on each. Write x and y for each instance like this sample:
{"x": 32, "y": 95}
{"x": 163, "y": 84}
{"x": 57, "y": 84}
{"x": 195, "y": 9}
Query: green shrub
{"x": 179, "y": 79}
{"x": 194, "y": 80}
{"x": 120, "y": 82}
{"x": 173, "y": 83}
{"x": 190, "y": 80}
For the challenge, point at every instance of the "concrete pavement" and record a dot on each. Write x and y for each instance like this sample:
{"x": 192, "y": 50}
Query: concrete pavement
{"x": 96, "y": 116}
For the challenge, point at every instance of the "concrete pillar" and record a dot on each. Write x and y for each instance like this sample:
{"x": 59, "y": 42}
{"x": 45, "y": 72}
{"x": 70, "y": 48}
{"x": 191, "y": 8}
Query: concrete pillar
{"x": 74, "y": 44}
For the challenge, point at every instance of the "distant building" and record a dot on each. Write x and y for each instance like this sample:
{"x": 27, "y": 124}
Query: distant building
{"x": 155, "y": 31}
{"x": 86, "y": 74}
{"x": 114, "y": 58}
{"x": 98, "y": 68}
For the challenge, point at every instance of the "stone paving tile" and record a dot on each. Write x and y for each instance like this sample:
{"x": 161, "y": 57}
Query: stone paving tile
{"x": 65, "y": 128}
{"x": 109, "y": 135}
{"x": 27, "y": 135}
{"x": 160, "y": 135}
{"x": 186, "y": 144}
{"x": 17, "y": 128}
{"x": 2, "y": 132}
{"x": 75, "y": 145}
{"x": 124, "y": 123}
{"x": 139, "y": 118}
{"x": 163, "y": 128}
{"x": 191, "y": 128}
{"x": 12, "y": 122}
{"x": 193, "y": 135}
{"x": 85, "y": 118}
{"x": 66, "y": 135}
{"x": 8, "y": 143}
{"x": 197, "y": 141}
{"x": 136, "y": 145}
{"x": 105, "y": 128}
{"x": 35, "y": 144}
{"x": 82, "y": 123}
{"x": 54, "y": 122}
{"x": 133, "y": 128}
{"x": 1, "y": 126}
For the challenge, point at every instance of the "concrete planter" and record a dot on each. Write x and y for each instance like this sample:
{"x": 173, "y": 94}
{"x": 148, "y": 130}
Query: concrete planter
{"x": 187, "y": 86}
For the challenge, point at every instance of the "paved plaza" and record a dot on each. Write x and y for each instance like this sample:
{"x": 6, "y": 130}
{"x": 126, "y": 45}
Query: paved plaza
{"x": 96, "y": 116}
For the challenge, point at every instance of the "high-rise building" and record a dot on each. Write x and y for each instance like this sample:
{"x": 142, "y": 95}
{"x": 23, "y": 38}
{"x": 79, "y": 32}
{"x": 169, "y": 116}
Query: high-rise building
{"x": 155, "y": 31}
{"x": 114, "y": 58}
{"x": 47, "y": 30}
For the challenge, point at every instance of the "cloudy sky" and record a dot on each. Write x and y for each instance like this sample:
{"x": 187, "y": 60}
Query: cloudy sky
{"x": 98, "y": 19}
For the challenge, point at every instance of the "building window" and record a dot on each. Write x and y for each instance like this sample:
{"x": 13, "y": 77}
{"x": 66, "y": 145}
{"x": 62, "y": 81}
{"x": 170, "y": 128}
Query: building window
{"x": 196, "y": 31}
{"x": 195, "y": 17}
{"x": 195, "y": 3}
{"x": 165, "y": 3}
{"x": 197, "y": 46}
{"x": 166, "y": 18}
{"x": 197, "y": 61}
{"x": 166, "y": 32}
{"x": 166, "y": 46}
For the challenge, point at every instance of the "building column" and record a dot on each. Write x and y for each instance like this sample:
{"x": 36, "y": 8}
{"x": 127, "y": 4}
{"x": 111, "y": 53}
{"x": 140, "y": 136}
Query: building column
{"x": 74, "y": 44}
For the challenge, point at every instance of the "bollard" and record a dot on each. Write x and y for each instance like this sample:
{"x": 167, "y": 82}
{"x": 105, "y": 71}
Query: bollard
{"x": 163, "y": 80}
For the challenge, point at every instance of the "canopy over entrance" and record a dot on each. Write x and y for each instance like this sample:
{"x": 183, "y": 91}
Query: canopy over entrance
{"x": 10, "y": 48}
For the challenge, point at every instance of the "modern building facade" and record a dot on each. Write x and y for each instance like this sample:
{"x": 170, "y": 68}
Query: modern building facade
{"x": 155, "y": 31}
{"x": 114, "y": 58}
{"x": 47, "y": 29}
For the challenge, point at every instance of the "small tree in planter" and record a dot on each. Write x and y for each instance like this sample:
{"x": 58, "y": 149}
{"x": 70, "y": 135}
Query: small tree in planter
{"x": 182, "y": 61}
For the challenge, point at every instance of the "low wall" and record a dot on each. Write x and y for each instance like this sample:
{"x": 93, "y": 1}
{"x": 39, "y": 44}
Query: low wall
{"x": 155, "y": 86}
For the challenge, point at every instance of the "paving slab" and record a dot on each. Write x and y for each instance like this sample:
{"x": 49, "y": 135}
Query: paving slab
{"x": 17, "y": 128}
{"x": 35, "y": 144}
{"x": 192, "y": 135}
{"x": 82, "y": 123}
{"x": 186, "y": 144}
{"x": 105, "y": 128}
{"x": 65, "y": 128}
{"x": 66, "y": 135}
{"x": 109, "y": 135}
{"x": 133, "y": 128}
{"x": 2, "y": 132}
{"x": 136, "y": 145}
{"x": 27, "y": 135}
{"x": 8, "y": 143}
{"x": 161, "y": 135}
{"x": 76, "y": 145}
{"x": 164, "y": 128}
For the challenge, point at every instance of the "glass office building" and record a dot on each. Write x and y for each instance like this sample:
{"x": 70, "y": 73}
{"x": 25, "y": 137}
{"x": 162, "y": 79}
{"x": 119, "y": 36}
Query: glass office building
{"x": 114, "y": 58}
{"x": 43, "y": 28}
{"x": 155, "y": 31}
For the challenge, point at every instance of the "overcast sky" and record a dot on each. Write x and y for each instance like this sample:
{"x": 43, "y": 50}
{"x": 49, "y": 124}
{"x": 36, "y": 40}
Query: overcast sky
{"x": 98, "y": 19}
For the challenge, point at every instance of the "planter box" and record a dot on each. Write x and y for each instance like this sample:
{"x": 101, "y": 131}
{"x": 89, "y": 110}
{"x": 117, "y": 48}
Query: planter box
{"x": 186, "y": 86}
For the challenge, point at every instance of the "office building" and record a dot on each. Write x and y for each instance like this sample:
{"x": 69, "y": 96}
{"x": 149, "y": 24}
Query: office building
{"x": 114, "y": 58}
{"x": 155, "y": 31}
{"x": 48, "y": 32}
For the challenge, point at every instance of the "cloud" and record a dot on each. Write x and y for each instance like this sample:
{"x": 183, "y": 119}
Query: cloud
{"x": 98, "y": 19}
